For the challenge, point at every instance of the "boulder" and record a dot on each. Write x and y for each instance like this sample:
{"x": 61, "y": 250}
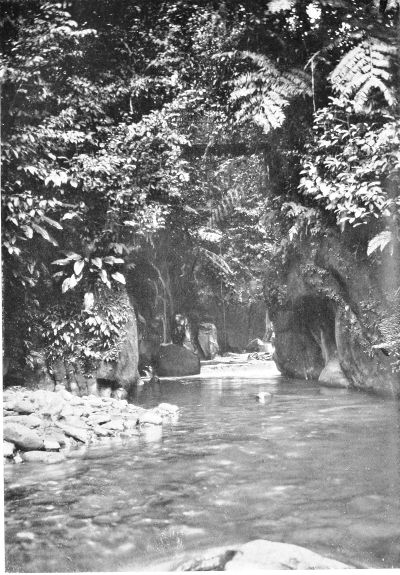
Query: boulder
{"x": 258, "y": 555}
{"x": 31, "y": 421}
{"x": 256, "y": 345}
{"x": 176, "y": 361}
{"x": 23, "y": 437}
{"x": 43, "y": 457}
{"x": 208, "y": 340}
{"x": 268, "y": 555}
{"x": 151, "y": 418}
{"x": 24, "y": 407}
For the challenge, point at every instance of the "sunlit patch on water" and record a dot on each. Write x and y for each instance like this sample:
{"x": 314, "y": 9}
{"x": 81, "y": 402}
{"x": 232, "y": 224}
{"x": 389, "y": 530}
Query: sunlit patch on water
{"x": 314, "y": 469}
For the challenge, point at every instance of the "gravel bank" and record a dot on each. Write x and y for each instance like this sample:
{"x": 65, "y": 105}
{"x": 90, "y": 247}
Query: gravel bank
{"x": 44, "y": 426}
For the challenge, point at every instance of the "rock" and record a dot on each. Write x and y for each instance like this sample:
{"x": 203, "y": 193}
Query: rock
{"x": 256, "y": 345}
{"x": 55, "y": 434}
{"x": 8, "y": 449}
{"x": 208, "y": 340}
{"x": 98, "y": 418}
{"x": 176, "y": 361}
{"x": 260, "y": 555}
{"x": 23, "y": 437}
{"x": 167, "y": 408}
{"x": 25, "y": 536}
{"x": 30, "y": 421}
{"x": 48, "y": 403}
{"x": 75, "y": 432}
{"x": 101, "y": 432}
{"x": 116, "y": 424}
{"x": 123, "y": 373}
{"x": 297, "y": 354}
{"x": 150, "y": 418}
{"x": 51, "y": 445}
{"x": 24, "y": 407}
{"x": 73, "y": 422}
{"x": 332, "y": 374}
{"x": 43, "y": 457}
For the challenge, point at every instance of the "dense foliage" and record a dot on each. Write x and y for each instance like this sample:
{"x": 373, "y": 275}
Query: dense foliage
{"x": 209, "y": 136}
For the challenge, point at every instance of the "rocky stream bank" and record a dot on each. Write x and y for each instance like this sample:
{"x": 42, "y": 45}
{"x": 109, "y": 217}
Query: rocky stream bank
{"x": 46, "y": 426}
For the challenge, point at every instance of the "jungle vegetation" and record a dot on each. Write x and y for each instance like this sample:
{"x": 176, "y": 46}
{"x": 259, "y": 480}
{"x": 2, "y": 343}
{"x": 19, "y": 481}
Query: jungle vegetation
{"x": 205, "y": 138}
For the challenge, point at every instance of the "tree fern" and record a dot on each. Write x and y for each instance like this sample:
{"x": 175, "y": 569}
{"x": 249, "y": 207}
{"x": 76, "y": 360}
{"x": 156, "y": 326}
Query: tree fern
{"x": 263, "y": 94}
{"x": 364, "y": 69}
{"x": 228, "y": 203}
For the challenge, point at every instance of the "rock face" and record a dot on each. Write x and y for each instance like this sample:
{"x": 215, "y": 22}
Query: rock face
{"x": 119, "y": 377}
{"x": 260, "y": 555}
{"x": 208, "y": 340}
{"x": 326, "y": 327}
{"x": 236, "y": 324}
{"x": 123, "y": 373}
{"x": 175, "y": 361}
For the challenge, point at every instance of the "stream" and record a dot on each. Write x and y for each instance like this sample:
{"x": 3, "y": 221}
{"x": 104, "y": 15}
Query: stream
{"x": 318, "y": 468}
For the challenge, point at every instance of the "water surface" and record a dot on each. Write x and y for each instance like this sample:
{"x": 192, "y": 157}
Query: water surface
{"x": 318, "y": 469}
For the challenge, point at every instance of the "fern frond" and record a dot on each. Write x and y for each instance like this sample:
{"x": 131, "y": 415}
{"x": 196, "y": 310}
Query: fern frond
{"x": 380, "y": 241}
{"x": 225, "y": 207}
{"x": 262, "y": 95}
{"x": 364, "y": 69}
{"x": 217, "y": 261}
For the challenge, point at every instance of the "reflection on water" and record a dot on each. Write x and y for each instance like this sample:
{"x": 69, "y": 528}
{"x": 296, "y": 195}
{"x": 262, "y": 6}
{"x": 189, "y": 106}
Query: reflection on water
{"x": 316, "y": 469}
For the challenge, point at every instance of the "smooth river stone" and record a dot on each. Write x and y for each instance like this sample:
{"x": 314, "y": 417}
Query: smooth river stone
{"x": 116, "y": 424}
{"x": 150, "y": 418}
{"x": 51, "y": 444}
{"x": 98, "y": 418}
{"x": 43, "y": 457}
{"x": 75, "y": 432}
{"x": 23, "y": 437}
{"x": 24, "y": 407}
{"x": 31, "y": 421}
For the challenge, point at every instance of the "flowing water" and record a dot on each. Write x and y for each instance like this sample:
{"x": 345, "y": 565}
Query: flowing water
{"x": 315, "y": 468}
